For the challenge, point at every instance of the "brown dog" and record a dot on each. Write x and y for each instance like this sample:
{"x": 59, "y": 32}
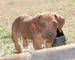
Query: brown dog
{"x": 38, "y": 28}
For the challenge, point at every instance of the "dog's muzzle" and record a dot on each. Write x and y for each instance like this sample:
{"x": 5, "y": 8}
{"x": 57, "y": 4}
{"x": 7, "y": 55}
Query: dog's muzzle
{"x": 50, "y": 36}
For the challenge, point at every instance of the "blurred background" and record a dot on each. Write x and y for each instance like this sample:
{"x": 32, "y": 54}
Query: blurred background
{"x": 10, "y": 9}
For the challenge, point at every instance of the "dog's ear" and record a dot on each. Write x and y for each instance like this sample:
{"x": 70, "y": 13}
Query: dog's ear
{"x": 35, "y": 23}
{"x": 60, "y": 20}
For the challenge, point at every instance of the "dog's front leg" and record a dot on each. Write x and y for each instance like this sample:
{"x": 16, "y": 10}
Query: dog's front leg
{"x": 48, "y": 43}
{"x": 37, "y": 44}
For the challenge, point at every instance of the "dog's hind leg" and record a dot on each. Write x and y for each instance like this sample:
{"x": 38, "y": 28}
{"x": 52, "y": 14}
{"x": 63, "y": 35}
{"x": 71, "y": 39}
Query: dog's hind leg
{"x": 15, "y": 40}
{"x": 15, "y": 35}
{"x": 25, "y": 43}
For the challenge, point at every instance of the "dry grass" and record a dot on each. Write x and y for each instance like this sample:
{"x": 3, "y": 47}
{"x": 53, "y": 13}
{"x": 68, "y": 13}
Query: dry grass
{"x": 10, "y": 9}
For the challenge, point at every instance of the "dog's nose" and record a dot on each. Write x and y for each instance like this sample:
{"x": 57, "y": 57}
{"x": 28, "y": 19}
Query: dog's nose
{"x": 50, "y": 34}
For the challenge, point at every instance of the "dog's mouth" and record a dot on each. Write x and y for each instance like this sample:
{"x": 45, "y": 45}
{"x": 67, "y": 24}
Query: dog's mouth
{"x": 49, "y": 38}
{"x": 49, "y": 35}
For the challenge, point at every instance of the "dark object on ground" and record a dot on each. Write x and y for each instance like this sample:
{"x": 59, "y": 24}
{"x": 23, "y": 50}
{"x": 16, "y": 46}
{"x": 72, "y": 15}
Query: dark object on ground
{"x": 59, "y": 34}
{"x": 60, "y": 39}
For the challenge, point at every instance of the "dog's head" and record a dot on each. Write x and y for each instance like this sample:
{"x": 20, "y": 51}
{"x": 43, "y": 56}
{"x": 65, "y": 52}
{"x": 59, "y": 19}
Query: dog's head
{"x": 47, "y": 24}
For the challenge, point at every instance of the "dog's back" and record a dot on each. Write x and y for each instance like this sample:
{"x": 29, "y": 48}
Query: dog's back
{"x": 22, "y": 24}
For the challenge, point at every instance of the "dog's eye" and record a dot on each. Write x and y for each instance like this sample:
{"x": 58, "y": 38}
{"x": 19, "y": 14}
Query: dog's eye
{"x": 42, "y": 24}
{"x": 54, "y": 23}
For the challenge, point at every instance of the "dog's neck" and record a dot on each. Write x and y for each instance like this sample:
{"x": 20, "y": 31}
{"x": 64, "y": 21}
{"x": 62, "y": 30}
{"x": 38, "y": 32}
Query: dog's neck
{"x": 59, "y": 33}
